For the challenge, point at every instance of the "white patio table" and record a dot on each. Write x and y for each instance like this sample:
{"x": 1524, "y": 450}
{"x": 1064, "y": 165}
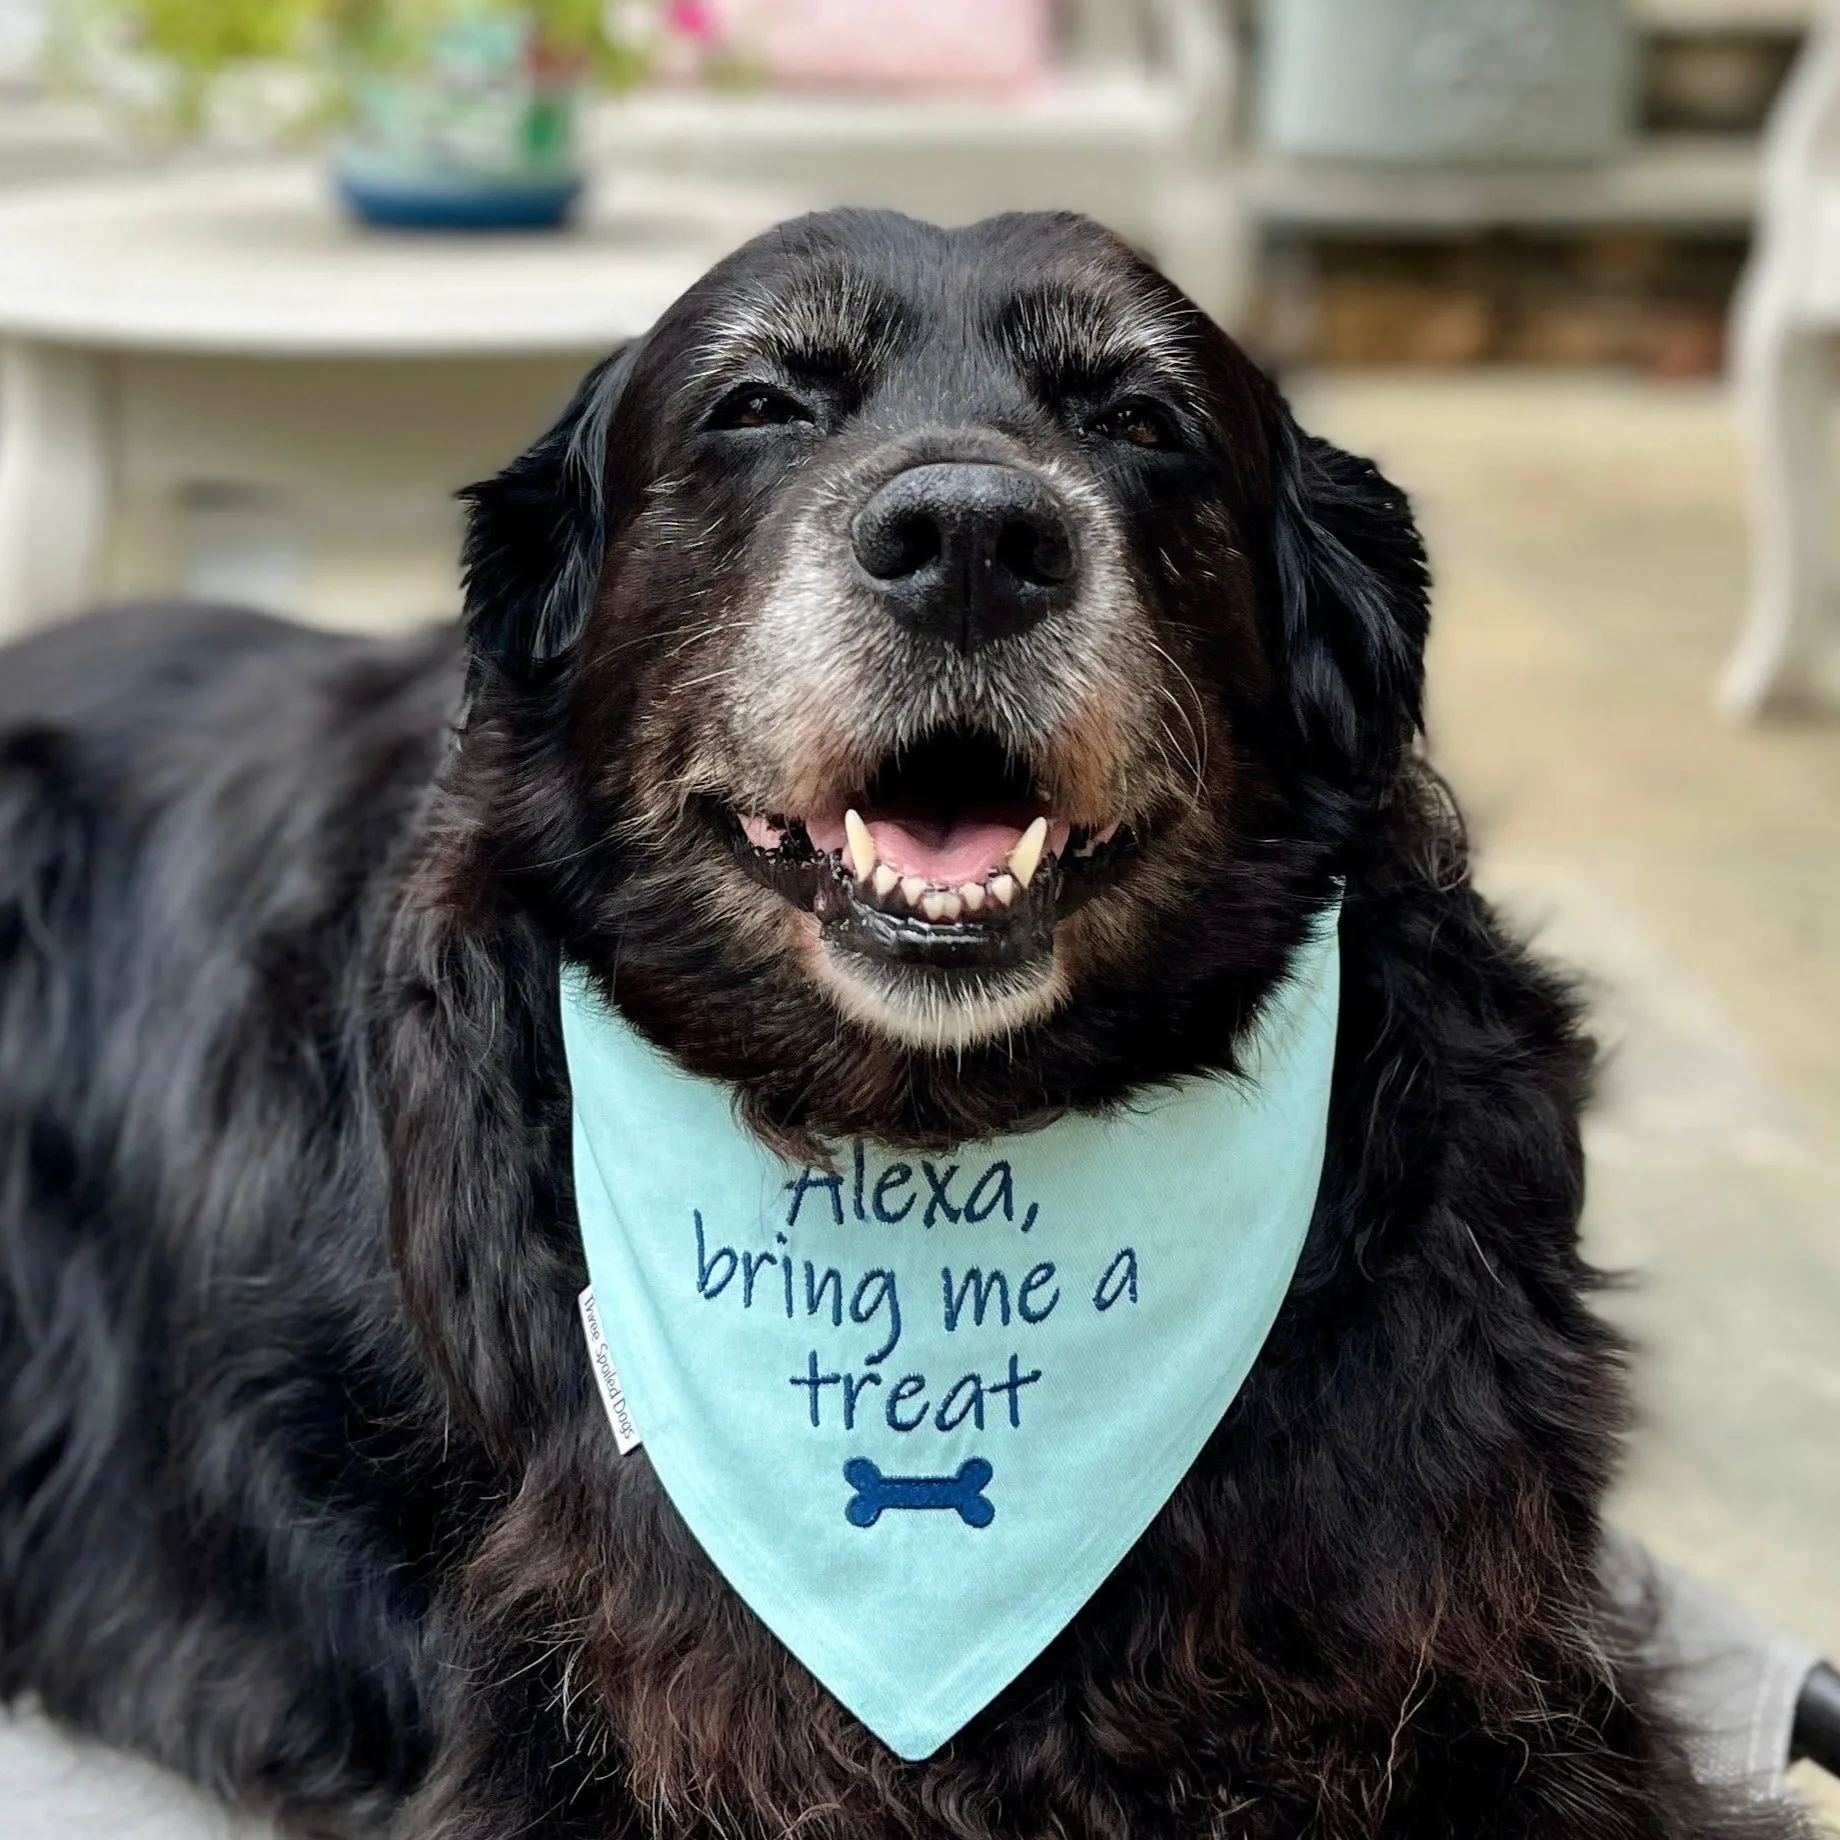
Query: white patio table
{"x": 220, "y": 358}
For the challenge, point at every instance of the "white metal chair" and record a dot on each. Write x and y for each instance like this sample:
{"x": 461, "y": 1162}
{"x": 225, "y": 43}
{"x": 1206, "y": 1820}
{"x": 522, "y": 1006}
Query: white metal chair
{"x": 1787, "y": 316}
{"x": 1137, "y": 132}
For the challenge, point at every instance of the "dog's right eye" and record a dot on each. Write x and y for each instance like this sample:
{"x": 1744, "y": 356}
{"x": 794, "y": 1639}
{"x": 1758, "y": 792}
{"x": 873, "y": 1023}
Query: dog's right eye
{"x": 1136, "y": 422}
{"x": 759, "y": 405}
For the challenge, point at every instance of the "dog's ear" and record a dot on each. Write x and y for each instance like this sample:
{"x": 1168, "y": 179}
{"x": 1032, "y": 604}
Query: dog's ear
{"x": 1352, "y": 602}
{"x": 535, "y": 533}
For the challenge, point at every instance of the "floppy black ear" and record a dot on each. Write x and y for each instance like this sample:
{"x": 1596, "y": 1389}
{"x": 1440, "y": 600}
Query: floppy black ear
{"x": 535, "y": 533}
{"x": 1352, "y": 591}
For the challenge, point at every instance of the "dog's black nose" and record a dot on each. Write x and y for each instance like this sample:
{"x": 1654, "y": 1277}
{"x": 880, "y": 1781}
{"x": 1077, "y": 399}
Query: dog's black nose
{"x": 967, "y": 551}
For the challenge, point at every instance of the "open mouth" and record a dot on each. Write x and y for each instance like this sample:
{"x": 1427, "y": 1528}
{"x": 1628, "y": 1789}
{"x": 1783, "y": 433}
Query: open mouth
{"x": 949, "y": 856}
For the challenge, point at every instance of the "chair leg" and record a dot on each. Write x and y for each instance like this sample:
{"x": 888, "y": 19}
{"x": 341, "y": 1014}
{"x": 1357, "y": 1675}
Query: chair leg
{"x": 1785, "y": 402}
{"x": 55, "y": 481}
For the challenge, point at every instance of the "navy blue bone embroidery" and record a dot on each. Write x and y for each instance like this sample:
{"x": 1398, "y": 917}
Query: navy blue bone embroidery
{"x": 963, "y": 1492}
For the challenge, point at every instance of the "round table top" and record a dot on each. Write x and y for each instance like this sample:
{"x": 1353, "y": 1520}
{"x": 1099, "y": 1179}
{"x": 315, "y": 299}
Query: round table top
{"x": 261, "y": 261}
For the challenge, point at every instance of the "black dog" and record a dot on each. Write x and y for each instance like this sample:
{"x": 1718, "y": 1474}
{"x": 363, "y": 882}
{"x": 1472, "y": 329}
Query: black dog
{"x": 987, "y": 534}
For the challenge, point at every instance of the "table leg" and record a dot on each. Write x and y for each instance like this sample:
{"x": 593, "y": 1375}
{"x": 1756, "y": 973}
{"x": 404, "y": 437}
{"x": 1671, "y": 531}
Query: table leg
{"x": 1785, "y": 402}
{"x": 55, "y": 481}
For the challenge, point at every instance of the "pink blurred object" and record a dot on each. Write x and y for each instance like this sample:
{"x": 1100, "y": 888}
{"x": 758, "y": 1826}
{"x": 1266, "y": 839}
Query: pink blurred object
{"x": 896, "y": 44}
{"x": 693, "y": 19}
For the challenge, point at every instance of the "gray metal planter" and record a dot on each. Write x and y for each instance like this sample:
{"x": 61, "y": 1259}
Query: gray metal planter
{"x": 1448, "y": 80}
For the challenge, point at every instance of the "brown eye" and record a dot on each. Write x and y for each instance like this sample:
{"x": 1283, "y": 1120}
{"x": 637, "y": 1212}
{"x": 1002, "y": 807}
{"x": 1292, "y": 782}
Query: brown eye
{"x": 757, "y": 405}
{"x": 1135, "y": 422}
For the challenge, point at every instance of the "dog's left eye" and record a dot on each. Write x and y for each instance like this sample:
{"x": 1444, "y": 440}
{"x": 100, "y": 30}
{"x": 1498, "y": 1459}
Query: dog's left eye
{"x": 1141, "y": 424}
{"x": 759, "y": 405}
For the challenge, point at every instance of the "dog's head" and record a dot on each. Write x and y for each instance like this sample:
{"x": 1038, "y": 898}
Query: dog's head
{"x": 929, "y": 677}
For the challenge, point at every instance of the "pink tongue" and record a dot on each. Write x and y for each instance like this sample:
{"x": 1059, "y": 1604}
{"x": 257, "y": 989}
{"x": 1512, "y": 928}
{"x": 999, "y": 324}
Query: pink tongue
{"x": 963, "y": 851}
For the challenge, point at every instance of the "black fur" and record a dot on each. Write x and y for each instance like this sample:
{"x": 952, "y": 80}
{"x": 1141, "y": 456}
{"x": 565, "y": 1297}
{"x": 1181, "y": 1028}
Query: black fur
{"x": 303, "y": 1488}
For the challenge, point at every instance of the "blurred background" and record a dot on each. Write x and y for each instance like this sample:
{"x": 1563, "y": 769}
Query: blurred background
{"x": 275, "y": 278}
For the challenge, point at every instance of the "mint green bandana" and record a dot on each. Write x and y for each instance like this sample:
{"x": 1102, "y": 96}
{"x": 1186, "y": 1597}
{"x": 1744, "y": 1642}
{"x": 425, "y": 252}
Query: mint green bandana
{"x": 917, "y": 1408}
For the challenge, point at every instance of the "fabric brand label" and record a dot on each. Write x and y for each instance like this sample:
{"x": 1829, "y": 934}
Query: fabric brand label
{"x": 607, "y": 1377}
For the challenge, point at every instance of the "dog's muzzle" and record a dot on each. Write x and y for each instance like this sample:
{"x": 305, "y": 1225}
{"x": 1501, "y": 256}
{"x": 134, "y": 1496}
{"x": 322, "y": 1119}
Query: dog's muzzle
{"x": 953, "y": 852}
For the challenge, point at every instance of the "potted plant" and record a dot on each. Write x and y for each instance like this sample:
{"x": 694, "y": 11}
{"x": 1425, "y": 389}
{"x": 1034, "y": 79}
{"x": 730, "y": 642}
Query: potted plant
{"x": 448, "y": 114}
{"x": 462, "y": 114}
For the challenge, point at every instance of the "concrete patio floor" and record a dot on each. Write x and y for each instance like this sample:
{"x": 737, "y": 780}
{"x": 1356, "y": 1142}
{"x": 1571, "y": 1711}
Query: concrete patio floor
{"x": 1588, "y": 540}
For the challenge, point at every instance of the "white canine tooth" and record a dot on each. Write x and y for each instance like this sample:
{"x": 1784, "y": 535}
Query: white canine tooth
{"x": 886, "y": 881}
{"x": 861, "y": 845}
{"x": 1004, "y": 889}
{"x": 913, "y": 887}
{"x": 1025, "y": 858}
{"x": 939, "y": 906}
{"x": 972, "y": 895}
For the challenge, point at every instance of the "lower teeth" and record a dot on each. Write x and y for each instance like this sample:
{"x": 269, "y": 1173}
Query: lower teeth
{"x": 935, "y": 901}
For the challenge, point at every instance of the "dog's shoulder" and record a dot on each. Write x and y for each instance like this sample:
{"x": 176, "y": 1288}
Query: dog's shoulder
{"x": 188, "y": 789}
{"x": 193, "y": 681}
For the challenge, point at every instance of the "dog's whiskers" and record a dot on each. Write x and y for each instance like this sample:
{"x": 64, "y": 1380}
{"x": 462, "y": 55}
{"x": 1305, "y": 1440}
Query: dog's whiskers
{"x": 726, "y": 675}
{"x": 1197, "y": 724}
